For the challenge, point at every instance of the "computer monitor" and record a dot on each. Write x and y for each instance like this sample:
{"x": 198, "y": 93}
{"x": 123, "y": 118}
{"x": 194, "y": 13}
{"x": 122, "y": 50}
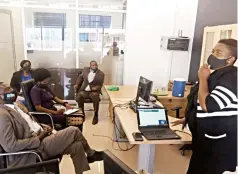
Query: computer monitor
{"x": 113, "y": 165}
{"x": 144, "y": 89}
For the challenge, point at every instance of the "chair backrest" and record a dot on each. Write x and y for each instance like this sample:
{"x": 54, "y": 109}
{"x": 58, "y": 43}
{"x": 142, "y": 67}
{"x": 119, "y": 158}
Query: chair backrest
{"x": 26, "y": 87}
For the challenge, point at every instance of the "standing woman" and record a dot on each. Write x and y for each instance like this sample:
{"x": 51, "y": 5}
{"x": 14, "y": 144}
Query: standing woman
{"x": 24, "y": 74}
{"x": 212, "y": 113}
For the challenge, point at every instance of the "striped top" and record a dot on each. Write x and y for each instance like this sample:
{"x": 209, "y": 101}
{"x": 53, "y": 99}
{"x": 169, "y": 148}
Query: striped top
{"x": 221, "y": 116}
{"x": 223, "y": 103}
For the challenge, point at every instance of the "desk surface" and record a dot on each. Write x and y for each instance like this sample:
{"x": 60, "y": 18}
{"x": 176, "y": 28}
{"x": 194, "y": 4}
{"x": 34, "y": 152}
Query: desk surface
{"x": 128, "y": 118}
{"x": 129, "y": 92}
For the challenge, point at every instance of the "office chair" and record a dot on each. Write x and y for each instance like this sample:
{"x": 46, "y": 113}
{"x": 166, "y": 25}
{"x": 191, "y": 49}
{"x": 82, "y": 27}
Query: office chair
{"x": 72, "y": 120}
{"x": 26, "y": 87}
{"x": 40, "y": 166}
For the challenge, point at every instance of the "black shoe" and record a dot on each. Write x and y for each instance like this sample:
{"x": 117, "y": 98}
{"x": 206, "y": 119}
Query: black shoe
{"x": 97, "y": 156}
{"x": 95, "y": 120}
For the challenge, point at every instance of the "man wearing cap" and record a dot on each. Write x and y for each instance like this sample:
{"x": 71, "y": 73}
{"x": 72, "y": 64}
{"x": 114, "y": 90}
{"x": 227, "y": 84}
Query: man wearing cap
{"x": 25, "y": 73}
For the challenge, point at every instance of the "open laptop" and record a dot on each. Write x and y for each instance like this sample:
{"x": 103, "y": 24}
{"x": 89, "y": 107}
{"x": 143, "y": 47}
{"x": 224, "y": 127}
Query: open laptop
{"x": 154, "y": 125}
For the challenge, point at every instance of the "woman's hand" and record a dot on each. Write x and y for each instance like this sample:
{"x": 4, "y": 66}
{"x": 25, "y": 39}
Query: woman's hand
{"x": 59, "y": 112}
{"x": 178, "y": 122}
{"x": 204, "y": 72}
{"x": 68, "y": 106}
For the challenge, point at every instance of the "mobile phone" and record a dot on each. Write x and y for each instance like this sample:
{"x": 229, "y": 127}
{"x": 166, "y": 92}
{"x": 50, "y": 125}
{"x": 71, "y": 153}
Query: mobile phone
{"x": 137, "y": 136}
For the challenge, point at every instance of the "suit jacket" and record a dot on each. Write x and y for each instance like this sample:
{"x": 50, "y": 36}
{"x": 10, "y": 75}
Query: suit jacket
{"x": 16, "y": 136}
{"x": 95, "y": 85}
{"x": 16, "y": 80}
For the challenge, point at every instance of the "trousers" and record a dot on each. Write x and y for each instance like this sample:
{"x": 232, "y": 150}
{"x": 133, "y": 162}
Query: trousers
{"x": 94, "y": 96}
{"x": 69, "y": 141}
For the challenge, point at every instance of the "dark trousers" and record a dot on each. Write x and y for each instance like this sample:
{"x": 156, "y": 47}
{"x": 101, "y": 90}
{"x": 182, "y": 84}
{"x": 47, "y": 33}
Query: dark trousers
{"x": 94, "y": 96}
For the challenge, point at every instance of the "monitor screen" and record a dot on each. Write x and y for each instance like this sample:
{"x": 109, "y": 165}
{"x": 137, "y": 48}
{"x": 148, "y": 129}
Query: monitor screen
{"x": 144, "y": 89}
{"x": 152, "y": 117}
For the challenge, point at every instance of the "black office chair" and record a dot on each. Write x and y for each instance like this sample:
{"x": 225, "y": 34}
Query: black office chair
{"x": 72, "y": 120}
{"x": 40, "y": 166}
{"x": 26, "y": 87}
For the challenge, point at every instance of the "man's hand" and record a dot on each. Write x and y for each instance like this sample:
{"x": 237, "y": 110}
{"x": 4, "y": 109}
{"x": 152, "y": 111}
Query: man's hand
{"x": 44, "y": 134}
{"x": 46, "y": 126}
{"x": 204, "y": 72}
{"x": 76, "y": 86}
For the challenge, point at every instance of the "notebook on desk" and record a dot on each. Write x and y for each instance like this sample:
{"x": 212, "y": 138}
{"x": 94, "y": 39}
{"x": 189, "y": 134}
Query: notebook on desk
{"x": 71, "y": 111}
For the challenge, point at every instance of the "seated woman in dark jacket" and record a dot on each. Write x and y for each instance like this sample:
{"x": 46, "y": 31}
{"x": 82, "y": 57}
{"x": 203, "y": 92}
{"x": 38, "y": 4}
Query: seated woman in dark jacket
{"x": 43, "y": 98}
{"x": 24, "y": 74}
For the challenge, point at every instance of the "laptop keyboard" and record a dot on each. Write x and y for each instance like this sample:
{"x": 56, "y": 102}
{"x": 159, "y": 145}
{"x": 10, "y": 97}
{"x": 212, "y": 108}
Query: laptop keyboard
{"x": 159, "y": 132}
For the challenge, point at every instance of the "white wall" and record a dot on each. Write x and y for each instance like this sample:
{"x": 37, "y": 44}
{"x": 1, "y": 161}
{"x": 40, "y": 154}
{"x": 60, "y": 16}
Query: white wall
{"x": 145, "y": 24}
{"x": 18, "y": 36}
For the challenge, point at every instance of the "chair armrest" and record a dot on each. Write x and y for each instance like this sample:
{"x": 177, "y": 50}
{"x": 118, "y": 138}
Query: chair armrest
{"x": 43, "y": 114}
{"x": 21, "y": 153}
{"x": 37, "y": 165}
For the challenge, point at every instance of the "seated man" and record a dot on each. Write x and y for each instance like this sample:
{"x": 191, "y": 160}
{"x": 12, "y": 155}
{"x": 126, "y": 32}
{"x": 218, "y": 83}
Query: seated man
{"x": 20, "y": 134}
{"x": 89, "y": 84}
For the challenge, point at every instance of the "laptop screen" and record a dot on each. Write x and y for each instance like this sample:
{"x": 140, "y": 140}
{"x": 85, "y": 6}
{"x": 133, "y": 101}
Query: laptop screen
{"x": 152, "y": 117}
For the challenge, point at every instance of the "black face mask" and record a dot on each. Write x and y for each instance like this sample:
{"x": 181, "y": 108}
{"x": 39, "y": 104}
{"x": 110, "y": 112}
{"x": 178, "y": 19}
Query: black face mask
{"x": 26, "y": 68}
{"x": 94, "y": 70}
{"x": 215, "y": 62}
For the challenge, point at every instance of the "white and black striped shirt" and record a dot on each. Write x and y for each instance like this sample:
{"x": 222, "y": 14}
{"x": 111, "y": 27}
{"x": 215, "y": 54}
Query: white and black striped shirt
{"x": 222, "y": 108}
{"x": 221, "y": 102}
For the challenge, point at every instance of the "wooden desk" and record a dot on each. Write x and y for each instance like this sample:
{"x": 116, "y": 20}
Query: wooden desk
{"x": 128, "y": 121}
{"x": 128, "y": 93}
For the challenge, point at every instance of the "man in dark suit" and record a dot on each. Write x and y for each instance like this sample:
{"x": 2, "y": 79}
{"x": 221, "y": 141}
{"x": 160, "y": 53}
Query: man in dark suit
{"x": 89, "y": 84}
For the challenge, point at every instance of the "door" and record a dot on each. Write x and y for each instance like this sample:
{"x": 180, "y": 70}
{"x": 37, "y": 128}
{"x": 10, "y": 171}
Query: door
{"x": 7, "y": 48}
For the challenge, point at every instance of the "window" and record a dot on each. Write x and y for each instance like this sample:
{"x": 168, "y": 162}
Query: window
{"x": 50, "y": 27}
{"x": 87, "y": 37}
{"x": 83, "y": 37}
{"x": 94, "y": 21}
{"x": 49, "y": 19}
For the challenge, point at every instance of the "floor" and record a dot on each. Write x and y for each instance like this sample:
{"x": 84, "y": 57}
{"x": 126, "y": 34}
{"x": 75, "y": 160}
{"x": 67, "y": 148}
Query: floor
{"x": 168, "y": 158}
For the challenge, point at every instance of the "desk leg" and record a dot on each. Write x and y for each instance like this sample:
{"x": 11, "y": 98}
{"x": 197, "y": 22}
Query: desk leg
{"x": 110, "y": 110}
{"x": 146, "y": 157}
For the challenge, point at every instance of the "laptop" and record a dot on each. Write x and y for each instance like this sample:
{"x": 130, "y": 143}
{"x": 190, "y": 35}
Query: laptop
{"x": 154, "y": 125}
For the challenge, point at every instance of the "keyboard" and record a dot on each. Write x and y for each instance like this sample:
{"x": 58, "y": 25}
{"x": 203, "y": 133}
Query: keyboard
{"x": 162, "y": 134}
{"x": 159, "y": 132}
{"x": 71, "y": 111}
